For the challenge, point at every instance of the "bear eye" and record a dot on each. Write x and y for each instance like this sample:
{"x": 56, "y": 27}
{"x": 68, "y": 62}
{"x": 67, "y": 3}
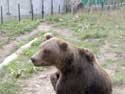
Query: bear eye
{"x": 46, "y": 51}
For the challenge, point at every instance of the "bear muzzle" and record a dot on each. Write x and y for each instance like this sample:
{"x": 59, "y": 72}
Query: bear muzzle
{"x": 34, "y": 61}
{"x": 38, "y": 63}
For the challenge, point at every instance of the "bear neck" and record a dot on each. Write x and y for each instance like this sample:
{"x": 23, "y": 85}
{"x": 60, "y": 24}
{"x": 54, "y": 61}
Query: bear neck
{"x": 73, "y": 68}
{"x": 64, "y": 69}
{"x": 72, "y": 62}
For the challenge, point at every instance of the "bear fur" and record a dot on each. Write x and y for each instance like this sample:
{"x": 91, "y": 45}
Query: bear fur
{"x": 78, "y": 70}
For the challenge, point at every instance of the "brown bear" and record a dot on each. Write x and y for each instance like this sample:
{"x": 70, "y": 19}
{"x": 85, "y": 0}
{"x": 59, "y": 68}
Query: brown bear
{"x": 78, "y": 70}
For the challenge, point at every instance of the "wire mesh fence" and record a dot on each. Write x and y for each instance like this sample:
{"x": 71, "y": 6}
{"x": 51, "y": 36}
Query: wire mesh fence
{"x": 31, "y": 9}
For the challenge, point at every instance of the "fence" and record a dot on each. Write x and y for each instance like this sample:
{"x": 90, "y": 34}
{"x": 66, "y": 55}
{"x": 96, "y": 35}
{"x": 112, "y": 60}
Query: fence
{"x": 19, "y": 9}
{"x": 104, "y": 3}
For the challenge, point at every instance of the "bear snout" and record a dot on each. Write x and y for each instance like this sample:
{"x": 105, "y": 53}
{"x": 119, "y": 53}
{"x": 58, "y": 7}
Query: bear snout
{"x": 38, "y": 63}
{"x": 33, "y": 59}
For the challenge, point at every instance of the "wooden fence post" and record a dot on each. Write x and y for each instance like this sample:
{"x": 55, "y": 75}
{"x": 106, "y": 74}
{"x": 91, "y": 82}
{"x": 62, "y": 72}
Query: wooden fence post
{"x": 32, "y": 12}
{"x": 66, "y": 7}
{"x": 19, "y": 16}
{"x": 51, "y": 7}
{"x": 102, "y": 5}
{"x": 42, "y": 8}
{"x": 1, "y": 15}
{"x": 59, "y": 10}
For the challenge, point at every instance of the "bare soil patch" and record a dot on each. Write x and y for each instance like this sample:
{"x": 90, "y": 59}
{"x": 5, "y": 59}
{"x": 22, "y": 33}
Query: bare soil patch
{"x": 39, "y": 83}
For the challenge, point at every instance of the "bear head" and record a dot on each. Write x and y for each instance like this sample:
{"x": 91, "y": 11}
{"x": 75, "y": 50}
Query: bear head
{"x": 59, "y": 53}
{"x": 53, "y": 52}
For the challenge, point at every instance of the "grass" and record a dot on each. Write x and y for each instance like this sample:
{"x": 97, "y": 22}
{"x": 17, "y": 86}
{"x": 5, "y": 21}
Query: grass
{"x": 10, "y": 30}
{"x": 108, "y": 64}
{"x": 119, "y": 77}
{"x": 20, "y": 68}
{"x": 8, "y": 87}
{"x": 10, "y": 74}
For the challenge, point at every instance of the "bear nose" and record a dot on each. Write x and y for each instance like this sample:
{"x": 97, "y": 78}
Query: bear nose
{"x": 33, "y": 60}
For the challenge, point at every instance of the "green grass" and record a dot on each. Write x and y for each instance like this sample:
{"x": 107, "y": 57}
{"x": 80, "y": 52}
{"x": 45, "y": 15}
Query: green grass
{"x": 108, "y": 64}
{"x": 10, "y": 30}
{"x": 14, "y": 28}
{"x": 20, "y": 68}
{"x": 10, "y": 75}
{"x": 119, "y": 77}
{"x": 8, "y": 87}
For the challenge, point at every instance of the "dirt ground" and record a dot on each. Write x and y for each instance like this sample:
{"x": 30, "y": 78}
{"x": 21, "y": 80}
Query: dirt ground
{"x": 39, "y": 83}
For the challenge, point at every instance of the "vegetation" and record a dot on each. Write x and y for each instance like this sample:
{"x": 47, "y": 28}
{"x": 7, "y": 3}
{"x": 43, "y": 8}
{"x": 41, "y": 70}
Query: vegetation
{"x": 10, "y": 74}
{"x": 11, "y": 30}
{"x": 16, "y": 70}
{"x": 103, "y": 32}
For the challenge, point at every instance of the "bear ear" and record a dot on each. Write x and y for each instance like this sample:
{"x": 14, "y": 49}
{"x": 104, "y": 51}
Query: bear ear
{"x": 63, "y": 46}
{"x": 90, "y": 57}
{"x": 48, "y": 36}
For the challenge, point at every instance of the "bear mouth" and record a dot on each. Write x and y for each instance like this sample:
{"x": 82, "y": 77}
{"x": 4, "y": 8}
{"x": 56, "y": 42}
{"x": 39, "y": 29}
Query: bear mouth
{"x": 40, "y": 64}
